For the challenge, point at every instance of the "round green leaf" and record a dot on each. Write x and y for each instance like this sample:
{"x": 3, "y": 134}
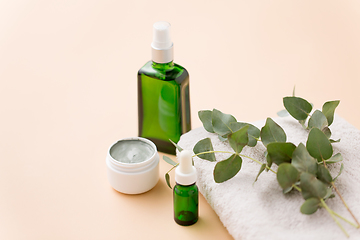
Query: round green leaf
{"x": 310, "y": 206}
{"x": 319, "y": 145}
{"x": 227, "y": 169}
{"x": 323, "y": 174}
{"x": 262, "y": 168}
{"x": 253, "y": 132}
{"x": 239, "y": 139}
{"x": 318, "y": 120}
{"x": 206, "y": 119}
{"x": 341, "y": 169}
{"x": 302, "y": 160}
{"x": 167, "y": 178}
{"x": 287, "y": 175}
{"x": 299, "y": 108}
{"x": 328, "y": 109}
{"x": 221, "y": 122}
{"x": 334, "y": 159}
{"x": 311, "y": 186}
{"x": 169, "y": 160}
{"x": 177, "y": 146}
{"x": 280, "y": 152}
{"x": 327, "y": 132}
{"x": 205, "y": 145}
{"x": 272, "y": 132}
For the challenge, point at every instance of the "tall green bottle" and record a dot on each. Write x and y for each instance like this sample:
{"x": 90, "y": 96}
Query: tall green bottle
{"x": 163, "y": 94}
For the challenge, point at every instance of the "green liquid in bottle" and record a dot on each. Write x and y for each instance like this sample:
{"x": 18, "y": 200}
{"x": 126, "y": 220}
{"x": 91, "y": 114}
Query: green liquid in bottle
{"x": 186, "y": 201}
{"x": 163, "y": 103}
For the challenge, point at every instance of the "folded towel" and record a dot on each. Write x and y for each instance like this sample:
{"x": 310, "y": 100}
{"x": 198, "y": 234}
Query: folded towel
{"x": 261, "y": 211}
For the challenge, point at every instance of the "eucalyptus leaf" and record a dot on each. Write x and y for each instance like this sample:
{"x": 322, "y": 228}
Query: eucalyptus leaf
{"x": 283, "y": 113}
{"x": 323, "y": 174}
{"x": 262, "y": 168}
{"x": 206, "y": 119}
{"x": 272, "y": 132}
{"x": 268, "y": 161}
{"x": 177, "y": 146}
{"x": 303, "y": 161}
{"x": 318, "y": 120}
{"x": 329, "y": 194}
{"x": 311, "y": 186}
{"x": 205, "y": 145}
{"x": 287, "y": 190}
{"x": 227, "y": 169}
{"x": 341, "y": 169}
{"x": 253, "y": 132}
{"x": 328, "y": 109}
{"x": 221, "y": 122}
{"x": 299, "y": 108}
{"x": 319, "y": 145}
{"x": 287, "y": 175}
{"x": 169, "y": 160}
{"x": 327, "y": 132}
{"x": 167, "y": 178}
{"x": 334, "y": 141}
{"x": 223, "y": 139}
{"x": 239, "y": 139}
{"x": 334, "y": 159}
{"x": 302, "y": 122}
{"x": 280, "y": 152}
{"x": 310, "y": 206}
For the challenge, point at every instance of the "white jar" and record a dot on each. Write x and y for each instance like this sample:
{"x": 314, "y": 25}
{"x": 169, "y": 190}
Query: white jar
{"x": 133, "y": 165}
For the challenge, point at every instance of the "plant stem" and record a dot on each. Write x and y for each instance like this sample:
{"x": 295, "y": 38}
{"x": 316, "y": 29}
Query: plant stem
{"x": 296, "y": 187}
{"x": 333, "y": 216}
{"x": 212, "y": 152}
{"x": 173, "y": 167}
{"x": 342, "y": 199}
{"x": 257, "y": 162}
{"x": 347, "y": 207}
{"x": 344, "y": 219}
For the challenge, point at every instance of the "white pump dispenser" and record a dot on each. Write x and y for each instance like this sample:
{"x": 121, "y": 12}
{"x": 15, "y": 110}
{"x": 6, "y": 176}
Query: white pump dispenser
{"x": 162, "y": 46}
{"x": 185, "y": 173}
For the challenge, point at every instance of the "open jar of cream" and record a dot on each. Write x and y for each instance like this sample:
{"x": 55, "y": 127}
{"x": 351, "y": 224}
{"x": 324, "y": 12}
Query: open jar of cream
{"x": 133, "y": 165}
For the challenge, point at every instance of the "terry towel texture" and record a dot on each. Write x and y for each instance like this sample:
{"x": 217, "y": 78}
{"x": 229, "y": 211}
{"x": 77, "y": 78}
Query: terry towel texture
{"x": 261, "y": 211}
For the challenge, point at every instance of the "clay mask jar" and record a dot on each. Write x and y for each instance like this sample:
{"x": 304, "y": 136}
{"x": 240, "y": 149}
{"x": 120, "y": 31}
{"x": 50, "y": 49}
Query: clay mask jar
{"x": 133, "y": 165}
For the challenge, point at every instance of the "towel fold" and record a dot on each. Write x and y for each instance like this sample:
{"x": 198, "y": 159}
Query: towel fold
{"x": 261, "y": 211}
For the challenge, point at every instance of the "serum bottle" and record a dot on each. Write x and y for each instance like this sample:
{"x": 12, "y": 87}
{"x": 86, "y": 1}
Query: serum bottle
{"x": 163, "y": 94}
{"x": 186, "y": 194}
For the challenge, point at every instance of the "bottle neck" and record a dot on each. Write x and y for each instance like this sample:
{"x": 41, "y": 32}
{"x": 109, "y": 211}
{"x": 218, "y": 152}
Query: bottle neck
{"x": 163, "y": 67}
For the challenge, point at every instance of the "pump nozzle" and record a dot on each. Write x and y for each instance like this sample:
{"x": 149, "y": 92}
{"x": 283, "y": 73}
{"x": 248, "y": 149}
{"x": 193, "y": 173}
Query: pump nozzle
{"x": 185, "y": 173}
{"x": 162, "y": 46}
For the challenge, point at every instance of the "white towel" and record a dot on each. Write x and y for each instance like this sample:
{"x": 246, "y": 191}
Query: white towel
{"x": 262, "y": 211}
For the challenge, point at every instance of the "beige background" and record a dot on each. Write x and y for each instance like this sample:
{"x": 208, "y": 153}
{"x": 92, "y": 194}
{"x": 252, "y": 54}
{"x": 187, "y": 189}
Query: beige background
{"x": 68, "y": 90}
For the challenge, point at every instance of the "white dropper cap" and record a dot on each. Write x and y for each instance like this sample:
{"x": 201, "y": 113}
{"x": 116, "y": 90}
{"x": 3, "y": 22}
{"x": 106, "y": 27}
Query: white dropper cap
{"x": 185, "y": 173}
{"x": 162, "y": 46}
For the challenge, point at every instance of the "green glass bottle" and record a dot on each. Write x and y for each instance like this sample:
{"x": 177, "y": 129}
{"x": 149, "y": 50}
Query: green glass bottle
{"x": 186, "y": 193}
{"x": 163, "y": 94}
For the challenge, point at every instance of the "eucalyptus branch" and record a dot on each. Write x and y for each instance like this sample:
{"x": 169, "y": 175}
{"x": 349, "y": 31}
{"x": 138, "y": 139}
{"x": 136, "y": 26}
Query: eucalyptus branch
{"x": 296, "y": 164}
